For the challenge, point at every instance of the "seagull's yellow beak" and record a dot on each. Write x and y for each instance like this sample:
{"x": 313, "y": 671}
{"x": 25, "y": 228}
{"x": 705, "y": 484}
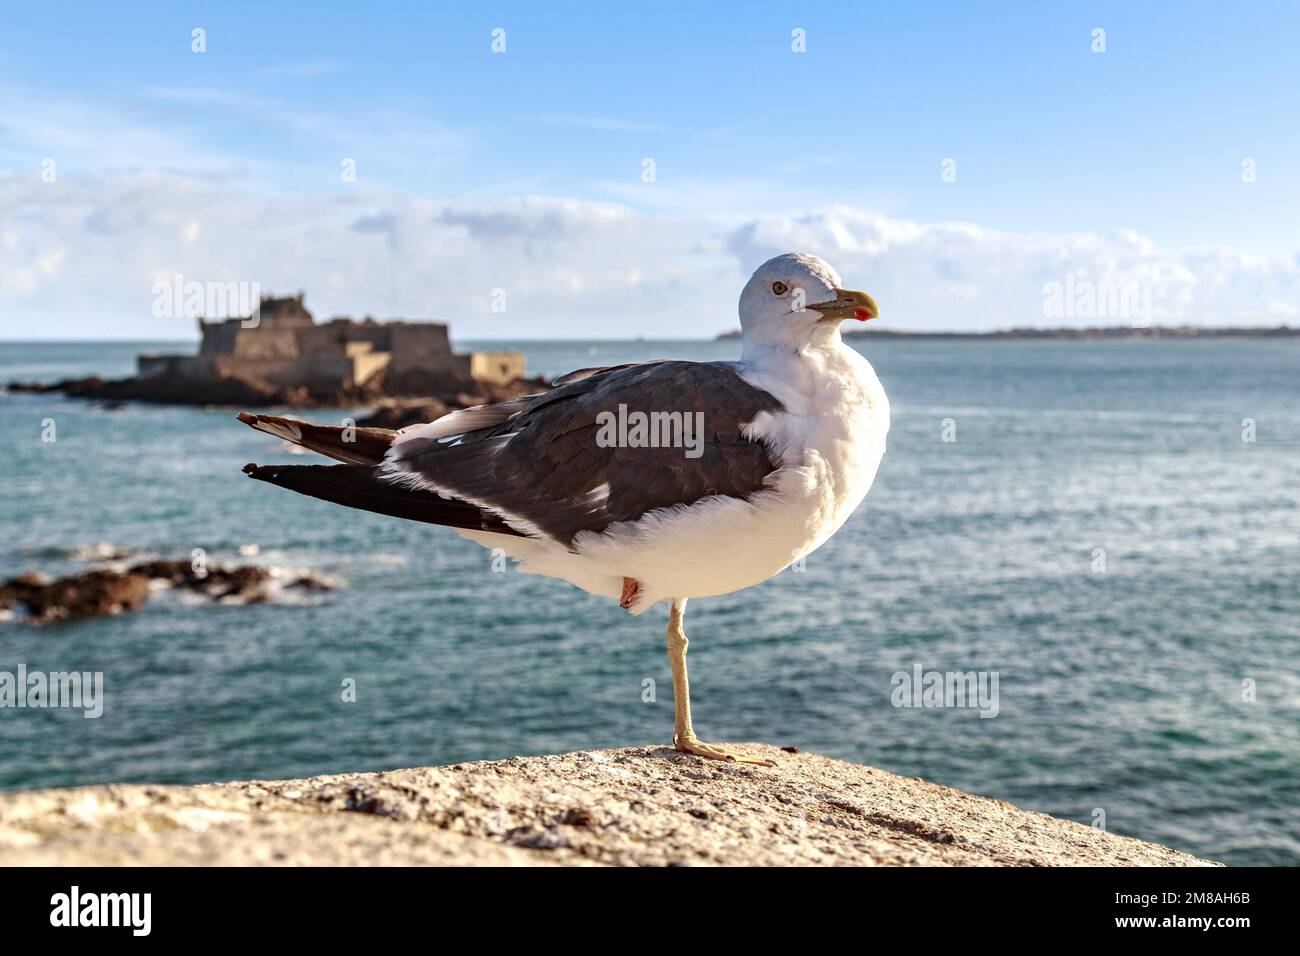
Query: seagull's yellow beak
{"x": 846, "y": 305}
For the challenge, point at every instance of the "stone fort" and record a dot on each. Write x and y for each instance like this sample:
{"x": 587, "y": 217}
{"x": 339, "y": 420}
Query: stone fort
{"x": 283, "y": 345}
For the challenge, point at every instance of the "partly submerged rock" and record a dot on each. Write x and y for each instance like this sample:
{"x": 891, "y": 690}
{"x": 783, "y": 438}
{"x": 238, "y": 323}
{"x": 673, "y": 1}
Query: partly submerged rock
{"x": 399, "y": 412}
{"x": 88, "y": 594}
{"x": 169, "y": 390}
{"x": 111, "y": 591}
{"x": 246, "y": 392}
{"x": 636, "y": 806}
{"x": 243, "y": 582}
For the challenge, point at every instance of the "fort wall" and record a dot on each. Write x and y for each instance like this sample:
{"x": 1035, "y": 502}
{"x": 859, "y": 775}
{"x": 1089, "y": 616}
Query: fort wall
{"x": 285, "y": 346}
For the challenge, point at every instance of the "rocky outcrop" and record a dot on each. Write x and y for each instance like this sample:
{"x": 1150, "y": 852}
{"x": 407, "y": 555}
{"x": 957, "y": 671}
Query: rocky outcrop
{"x": 110, "y": 591}
{"x": 172, "y": 390}
{"x": 80, "y": 595}
{"x": 636, "y": 806}
{"x": 244, "y": 392}
{"x": 397, "y": 413}
{"x": 400, "y": 412}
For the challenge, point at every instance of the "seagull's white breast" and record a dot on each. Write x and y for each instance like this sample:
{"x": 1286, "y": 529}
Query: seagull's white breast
{"x": 831, "y": 437}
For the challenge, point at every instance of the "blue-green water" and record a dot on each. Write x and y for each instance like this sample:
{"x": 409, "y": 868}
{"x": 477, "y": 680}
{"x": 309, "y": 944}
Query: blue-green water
{"x": 1120, "y": 690}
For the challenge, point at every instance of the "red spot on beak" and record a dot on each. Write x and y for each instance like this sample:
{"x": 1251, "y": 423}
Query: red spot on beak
{"x": 861, "y": 314}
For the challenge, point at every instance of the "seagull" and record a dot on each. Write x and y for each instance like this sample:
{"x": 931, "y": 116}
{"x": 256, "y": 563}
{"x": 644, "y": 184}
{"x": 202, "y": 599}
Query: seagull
{"x": 648, "y": 482}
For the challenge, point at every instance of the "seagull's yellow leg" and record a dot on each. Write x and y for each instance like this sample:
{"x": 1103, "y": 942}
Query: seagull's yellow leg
{"x": 683, "y": 734}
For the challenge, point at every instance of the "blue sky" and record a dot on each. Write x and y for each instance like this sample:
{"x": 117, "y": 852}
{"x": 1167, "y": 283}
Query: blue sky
{"x": 523, "y": 170}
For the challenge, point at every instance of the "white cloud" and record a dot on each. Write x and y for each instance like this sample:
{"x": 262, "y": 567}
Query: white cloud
{"x": 569, "y": 268}
{"x": 79, "y": 257}
{"x": 82, "y": 136}
{"x": 962, "y": 276}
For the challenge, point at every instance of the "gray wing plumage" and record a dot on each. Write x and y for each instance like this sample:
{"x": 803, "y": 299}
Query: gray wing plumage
{"x": 543, "y": 467}
{"x": 535, "y": 466}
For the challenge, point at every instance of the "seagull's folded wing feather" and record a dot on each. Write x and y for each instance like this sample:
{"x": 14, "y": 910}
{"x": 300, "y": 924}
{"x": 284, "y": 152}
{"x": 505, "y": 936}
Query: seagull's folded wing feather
{"x": 549, "y": 468}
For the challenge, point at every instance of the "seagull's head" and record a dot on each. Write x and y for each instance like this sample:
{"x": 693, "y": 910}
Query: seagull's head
{"x": 796, "y": 300}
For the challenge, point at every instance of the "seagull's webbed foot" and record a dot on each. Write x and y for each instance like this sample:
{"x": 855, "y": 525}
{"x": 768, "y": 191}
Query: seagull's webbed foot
{"x": 693, "y": 745}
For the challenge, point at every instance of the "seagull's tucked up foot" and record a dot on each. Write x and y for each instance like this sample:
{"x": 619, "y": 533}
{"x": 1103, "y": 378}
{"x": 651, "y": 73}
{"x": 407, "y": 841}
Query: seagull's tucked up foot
{"x": 641, "y": 483}
{"x": 683, "y": 733}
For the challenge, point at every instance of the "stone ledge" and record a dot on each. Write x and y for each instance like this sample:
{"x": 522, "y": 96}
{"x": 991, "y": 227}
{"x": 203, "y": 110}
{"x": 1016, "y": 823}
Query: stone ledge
{"x": 634, "y": 806}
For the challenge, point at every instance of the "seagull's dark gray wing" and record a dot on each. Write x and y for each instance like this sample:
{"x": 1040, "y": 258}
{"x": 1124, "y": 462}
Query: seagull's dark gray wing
{"x": 544, "y": 471}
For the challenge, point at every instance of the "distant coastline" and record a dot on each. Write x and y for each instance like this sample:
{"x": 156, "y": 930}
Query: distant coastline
{"x": 1105, "y": 332}
{"x": 1117, "y": 332}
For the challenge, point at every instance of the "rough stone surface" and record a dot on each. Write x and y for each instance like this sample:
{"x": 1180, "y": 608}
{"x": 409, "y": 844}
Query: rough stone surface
{"x": 637, "y": 806}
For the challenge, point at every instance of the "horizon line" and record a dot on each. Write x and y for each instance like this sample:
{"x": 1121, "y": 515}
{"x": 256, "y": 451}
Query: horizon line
{"x": 734, "y": 333}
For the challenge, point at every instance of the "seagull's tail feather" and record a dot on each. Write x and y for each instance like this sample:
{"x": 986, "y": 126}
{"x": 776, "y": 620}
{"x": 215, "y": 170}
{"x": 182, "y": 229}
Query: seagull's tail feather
{"x": 351, "y": 444}
{"x": 361, "y": 487}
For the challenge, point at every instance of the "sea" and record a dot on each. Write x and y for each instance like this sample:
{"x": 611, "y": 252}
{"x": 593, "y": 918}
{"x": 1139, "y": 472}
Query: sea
{"x": 1104, "y": 537}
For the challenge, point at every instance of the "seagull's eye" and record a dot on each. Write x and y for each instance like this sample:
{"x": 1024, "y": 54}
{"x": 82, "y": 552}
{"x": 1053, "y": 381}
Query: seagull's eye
{"x": 780, "y": 288}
